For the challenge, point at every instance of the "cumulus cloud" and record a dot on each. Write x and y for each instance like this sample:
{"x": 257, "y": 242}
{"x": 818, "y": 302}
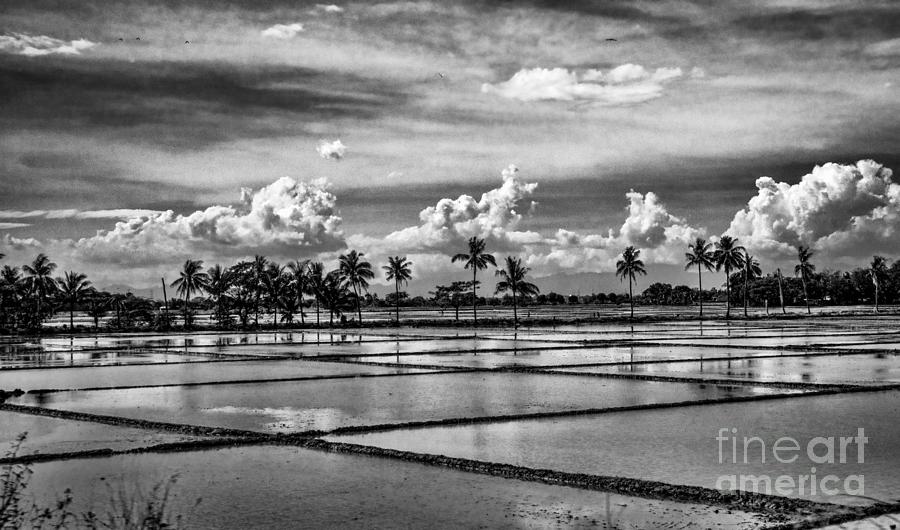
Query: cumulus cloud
{"x": 625, "y": 84}
{"x": 117, "y": 213}
{"x": 331, "y": 150}
{"x": 330, "y": 8}
{"x": 36, "y": 45}
{"x": 661, "y": 236}
{"x": 18, "y": 243}
{"x": 448, "y": 224}
{"x": 848, "y": 210}
{"x": 285, "y": 218}
{"x": 883, "y": 48}
{"x": 283, "y": 31}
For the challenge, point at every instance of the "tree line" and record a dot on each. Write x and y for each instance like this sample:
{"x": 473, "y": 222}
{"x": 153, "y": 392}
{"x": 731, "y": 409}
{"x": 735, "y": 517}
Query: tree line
{"x": 238, "y": 294}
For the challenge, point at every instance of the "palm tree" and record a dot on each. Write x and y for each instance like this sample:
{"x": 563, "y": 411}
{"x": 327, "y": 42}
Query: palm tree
{"x": 729, "y": 256}
{"x": 751, "y": 272}
{"x": 629, "y": 266}
{"x": 10, "y": 290}
{"x": 804, "y": 269}
{"x": 477, "y": 259}
{"x": 334, "y": 294}
{"x": 274, "y": 282}
{"x": 702, "y": 256}
{"x": 316, "y": 279}
{"x": 258, "y": 268}
{"x": 220, "y": 280}
{"x": 356, "y": 272}
{"x": 513, "y": 281}
{"x": 39, "y": 281}
{"x": 192, "y": 280}
{"x": 399, "y": 270}
{"x": 72, "y": 287}
{"x": 300, "y": 280}
{"x": 878, "y": 269}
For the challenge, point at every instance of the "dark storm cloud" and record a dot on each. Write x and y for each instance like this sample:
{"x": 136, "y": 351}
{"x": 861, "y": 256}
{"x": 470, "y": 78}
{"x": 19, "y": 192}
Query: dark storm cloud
{"x": 41, "y": 180}
{"x": 188, "y": 105}
{"x": 862, "y": 23}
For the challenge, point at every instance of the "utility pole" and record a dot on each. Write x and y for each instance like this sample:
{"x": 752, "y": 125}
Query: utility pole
{"x": 781, "y": 293}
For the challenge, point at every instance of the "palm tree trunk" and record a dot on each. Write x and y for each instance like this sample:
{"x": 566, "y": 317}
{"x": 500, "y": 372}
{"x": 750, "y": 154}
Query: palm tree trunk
{"x": 397, "y": 299}
{"x": 358, "y": 309}
{"x": 275, "y": 309}
{"x": 700, "y": 282}
{"x": 72, "y": 315}
{"x": 745, "y": 291}
{"x": 727, "y": 293}
{"x": 631, "y": 297}
{"x": 474, "y": 296}
{"x": 302, "y": 320}
{"x": 186, "y": 325}
{"x": 876, "y": 295}
{"x": 317, "y": 311}
{"x": 805, "y": 295}
{"x": 515, "y": 311}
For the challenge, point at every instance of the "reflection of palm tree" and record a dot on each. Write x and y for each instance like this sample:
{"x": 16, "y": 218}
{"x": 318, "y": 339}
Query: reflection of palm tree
{"x": 878, "y": 269}
{"x": 702, "y": 256}
{"x": 751, "y": 272}
{"x": 513, "y": 280}
{"x": 72, "y": 287}
{"x": 628, "y": 267}
{"x": 477, "y": 259}
{"x": 804, "y": 269}
{"x": 729, "y": 256}
{"x": 192, "y": 280}
{"x": 39, "y": 281}
{"x": 357, "y": 273}
{"x": 398, "y": 269}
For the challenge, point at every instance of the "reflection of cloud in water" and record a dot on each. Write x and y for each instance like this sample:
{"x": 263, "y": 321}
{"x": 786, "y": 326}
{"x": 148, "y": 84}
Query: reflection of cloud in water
{"x": 285, "y": 418}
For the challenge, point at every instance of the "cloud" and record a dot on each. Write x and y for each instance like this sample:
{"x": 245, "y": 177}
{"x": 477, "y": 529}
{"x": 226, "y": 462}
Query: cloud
{"x": 117, "y": 213}
{"x": 18, "y": 243}
{"x": 333, "y": 150}
{"x": 661, "y": 236}
{"x": 8, "y": 226}
{"x": 283, "y": 31}
{"x": 848, "y": 210}
{"x": 447, "y": 225}
{"x": 330, "y": 8}
{"x": 286, "y": 218}
{"x": 883, "y": 48}
{"x": 625, "y": 84}
{"x": 36, "y": 45}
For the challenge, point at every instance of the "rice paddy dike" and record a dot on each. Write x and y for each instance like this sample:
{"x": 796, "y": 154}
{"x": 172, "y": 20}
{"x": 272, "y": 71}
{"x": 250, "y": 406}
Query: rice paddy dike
{"x": 605, "y": 424}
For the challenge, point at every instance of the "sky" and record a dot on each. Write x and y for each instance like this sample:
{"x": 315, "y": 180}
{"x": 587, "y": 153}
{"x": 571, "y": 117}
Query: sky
{"x": 135, "y": 135}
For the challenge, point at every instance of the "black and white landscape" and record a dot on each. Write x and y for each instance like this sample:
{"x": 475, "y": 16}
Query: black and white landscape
{"x": 615, "y": 264}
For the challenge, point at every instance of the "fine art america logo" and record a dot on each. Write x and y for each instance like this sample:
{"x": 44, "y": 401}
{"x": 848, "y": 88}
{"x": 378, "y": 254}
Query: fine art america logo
{"x": 789, "y": 454}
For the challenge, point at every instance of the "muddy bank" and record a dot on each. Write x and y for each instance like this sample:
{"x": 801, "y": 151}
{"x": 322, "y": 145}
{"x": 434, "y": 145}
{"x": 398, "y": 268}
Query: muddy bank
{"x": 191, "y": 430}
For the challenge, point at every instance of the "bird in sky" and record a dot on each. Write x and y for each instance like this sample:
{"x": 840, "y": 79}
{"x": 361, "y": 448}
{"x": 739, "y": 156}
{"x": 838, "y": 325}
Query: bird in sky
{"x": 137, "y": 38}
{"x": 187, "y": 42}
{"x": 612, "y": 40}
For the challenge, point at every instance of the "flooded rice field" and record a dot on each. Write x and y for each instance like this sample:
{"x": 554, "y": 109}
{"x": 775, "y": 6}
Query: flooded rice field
{"x": 601, "y": 425}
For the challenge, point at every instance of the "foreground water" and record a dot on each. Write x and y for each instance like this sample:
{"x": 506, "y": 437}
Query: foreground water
{"x": 328, "y": 404}
{"x": 278, "y": 487}
{"x": 680, "y": 446}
